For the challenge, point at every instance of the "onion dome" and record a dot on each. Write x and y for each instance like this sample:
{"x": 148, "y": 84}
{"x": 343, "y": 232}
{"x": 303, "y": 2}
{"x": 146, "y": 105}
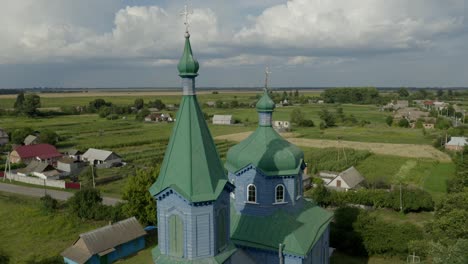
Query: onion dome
{"x": 188, "y": 66}
{"x": 265, "y": 148}
{"x": 265, "y": 104}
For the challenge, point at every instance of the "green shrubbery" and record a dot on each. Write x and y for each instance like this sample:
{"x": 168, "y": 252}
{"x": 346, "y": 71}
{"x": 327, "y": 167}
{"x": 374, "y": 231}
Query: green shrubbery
{"x": 413, "y": 200}
{"x": 358, "y": 232}
{"x": 87, "y": 204}
{"x": 333, "y": 159}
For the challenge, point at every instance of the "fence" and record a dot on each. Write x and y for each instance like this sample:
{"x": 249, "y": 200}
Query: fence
{"x": 72, "y": 185}
{"x": 36, "y": 181}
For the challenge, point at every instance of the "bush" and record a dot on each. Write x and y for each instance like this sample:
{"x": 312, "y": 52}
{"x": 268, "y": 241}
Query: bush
{"x": 85, "y": 203}
{"x": 382, "y": 238}
{"x": 403, "y": 123}
{"x": 389, "y": 120}
{"x": 342, "y": 235}
{"x": 49, "y": 204}
{"x": 307, "y": 123}
{"x": 413, "y": 200}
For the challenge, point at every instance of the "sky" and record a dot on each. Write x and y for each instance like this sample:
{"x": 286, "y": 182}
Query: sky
{"x": 306, "y": 43}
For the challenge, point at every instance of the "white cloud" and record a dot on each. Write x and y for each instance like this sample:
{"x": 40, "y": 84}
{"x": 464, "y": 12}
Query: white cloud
{"x": 139, "y": 32}
{"x": 352, "y": 25}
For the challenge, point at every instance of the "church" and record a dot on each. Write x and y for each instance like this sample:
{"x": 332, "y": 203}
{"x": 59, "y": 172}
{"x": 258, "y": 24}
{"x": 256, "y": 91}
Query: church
{"x": 250, "y": 209}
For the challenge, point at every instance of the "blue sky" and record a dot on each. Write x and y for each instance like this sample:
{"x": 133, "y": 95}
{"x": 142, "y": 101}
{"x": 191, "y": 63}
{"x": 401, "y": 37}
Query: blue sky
{"x": 312, "y": 43}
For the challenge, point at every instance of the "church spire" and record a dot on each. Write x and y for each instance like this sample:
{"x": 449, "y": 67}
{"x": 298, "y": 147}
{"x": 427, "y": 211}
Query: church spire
{"x": 265, "y": 105}
{"x": 191, "y": 165}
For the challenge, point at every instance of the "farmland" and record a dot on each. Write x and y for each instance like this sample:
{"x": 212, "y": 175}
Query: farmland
{"x": 384, "y": 155}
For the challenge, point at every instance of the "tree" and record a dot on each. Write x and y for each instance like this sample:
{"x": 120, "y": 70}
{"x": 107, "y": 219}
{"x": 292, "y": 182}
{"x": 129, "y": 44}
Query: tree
{"x": 296, "y": 93}
{"x": 389, "y": 120}
{"x": 440, "y": 93}
{"x": 18, "y": 135}
{"x": 403, "y": 92}
{"x": 403, "y": 123}
{"x": 19, "y": 103}
{"x": 157, "y": 104}
{"x": 327, "y": 117}
{"x": 234, "y": 104}
{"x": 139, "y": 103}
{"x": 85, "y": 203}
{"x": 31, "y": 103}
{"x": 139, "y": 202}
{"x": 453, "y": 253}
{"x": 320, "y": 194}
{"x": 297, "y": 116}
{"x": 49, "y": 137}
{"x": 98, "y": 103}
{"x": 140, "y": 116}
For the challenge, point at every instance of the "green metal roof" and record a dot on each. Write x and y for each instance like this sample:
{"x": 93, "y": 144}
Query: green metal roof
{"x": 188, "y": 66}
{"x": 298, "y": 231}
{"x": 265, "y": 104}
{"x": 191, "y": 164}
{"x": 266, "y": 150}
{"x": 218, "y": 259}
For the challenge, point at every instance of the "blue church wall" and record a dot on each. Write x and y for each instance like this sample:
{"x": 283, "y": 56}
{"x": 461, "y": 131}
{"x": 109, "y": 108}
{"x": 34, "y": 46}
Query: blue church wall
{"x": 199, "y": 223}
{"x": 265, "y": 190}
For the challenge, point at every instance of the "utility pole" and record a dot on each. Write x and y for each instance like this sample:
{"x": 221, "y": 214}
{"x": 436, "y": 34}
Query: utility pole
{"x": 92, "y": 172}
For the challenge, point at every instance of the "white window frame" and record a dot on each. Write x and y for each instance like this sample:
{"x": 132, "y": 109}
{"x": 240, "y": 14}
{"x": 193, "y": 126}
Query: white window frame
{"x": 255, "y": 190}
{"x": 276, "y": 197}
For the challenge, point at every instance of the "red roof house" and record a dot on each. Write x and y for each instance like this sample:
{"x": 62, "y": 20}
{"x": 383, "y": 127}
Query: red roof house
{"x": 43, "y": 152}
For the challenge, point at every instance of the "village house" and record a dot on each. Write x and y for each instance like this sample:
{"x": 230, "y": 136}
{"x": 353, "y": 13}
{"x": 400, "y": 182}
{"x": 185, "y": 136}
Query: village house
{"x": 456, "y": 143}
{"x": 102, "y": 158}
{"x": 211, "y": 104}
{"x": 223, "y": 120}
{"x": 74, "y": 154}
{"x": 411, "y": 114}
{"x": 40, "y": 169}
{"x": 158, "y": 117}
{"x": 107, "y": 244}
{"x": 428, "y": 126}
{"x": 69, "y": 166}
{"x": 395, "y": 105}
{"x": 282, "y": 126}
{"x": 31, "y": 140}
{"x": 3, "y": 137}
{"x": 42, "y": 152}
{"x": 344, "y": 181}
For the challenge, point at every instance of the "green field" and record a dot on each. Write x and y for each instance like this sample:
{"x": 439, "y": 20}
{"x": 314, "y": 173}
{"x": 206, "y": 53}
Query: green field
{"x": 26, "y": 232}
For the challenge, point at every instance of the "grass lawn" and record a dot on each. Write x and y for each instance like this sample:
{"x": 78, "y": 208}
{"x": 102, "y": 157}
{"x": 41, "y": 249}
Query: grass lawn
{"x": 26, "y": 232}
{"x": 392, "y": 216}
{"x": 429, "y": 174}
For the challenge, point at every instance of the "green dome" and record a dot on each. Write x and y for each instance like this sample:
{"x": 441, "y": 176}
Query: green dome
{"x": 268, "y": 151}
{"x": 188, "y": 66}
{"x": 265, "y": 104}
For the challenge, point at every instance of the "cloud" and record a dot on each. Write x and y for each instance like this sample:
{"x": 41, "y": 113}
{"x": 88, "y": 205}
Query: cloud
{"x": 352, "y": 26}
{"x": 144, "y": 32}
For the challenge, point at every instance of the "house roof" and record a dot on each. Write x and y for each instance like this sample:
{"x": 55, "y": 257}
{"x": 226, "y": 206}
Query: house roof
{"x": 457, "y": 141}
{"x": 97, "y": 154}
{"x": 42, "y": 151}
{"x": 104, "y": 239}
{"x": 222, "y": 117}
{"x": 352, "y": 177}
{"x": 29, "y": 139}
{"x": 74, "y": 152}
{"x": 298, "y": 231}
{"x": 36, "y": 166}
{"x": 191, "y": 165}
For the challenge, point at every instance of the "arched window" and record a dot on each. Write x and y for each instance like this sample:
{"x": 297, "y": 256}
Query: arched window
{"x": 251, "y": 193}
{"x": 279, "y": 193}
